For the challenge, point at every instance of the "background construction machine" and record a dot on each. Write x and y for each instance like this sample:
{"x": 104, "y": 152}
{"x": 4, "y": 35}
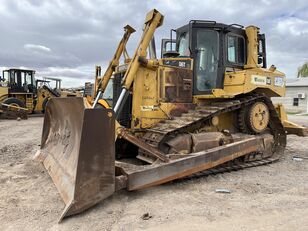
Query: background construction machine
{"x": 203, "y": 105}
{"x": 22, "y": 94}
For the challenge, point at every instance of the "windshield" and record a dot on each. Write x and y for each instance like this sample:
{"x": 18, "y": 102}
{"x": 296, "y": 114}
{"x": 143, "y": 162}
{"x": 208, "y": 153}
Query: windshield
{"x": 184, "y": 44}
{"x": 29, "y": 78}
{"x": 206, "y": 59}
{"x": 5, "y": 76}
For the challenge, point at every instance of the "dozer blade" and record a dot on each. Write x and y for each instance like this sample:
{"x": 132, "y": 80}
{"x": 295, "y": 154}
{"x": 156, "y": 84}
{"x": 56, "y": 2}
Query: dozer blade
{"x": 77, "y": 149}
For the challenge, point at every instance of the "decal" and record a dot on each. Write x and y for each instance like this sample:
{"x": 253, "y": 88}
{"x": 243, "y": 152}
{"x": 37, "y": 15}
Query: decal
{"x": 279, "y": 81}
{"x": 182, "y": 64}
{"x": 149, "y": 108}
{"x": 258, "y": 79}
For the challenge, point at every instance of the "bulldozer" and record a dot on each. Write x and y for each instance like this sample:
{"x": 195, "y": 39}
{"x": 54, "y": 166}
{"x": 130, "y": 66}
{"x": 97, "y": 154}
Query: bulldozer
{"x": 21, "y": 94}
{"x": 204, "y": 106}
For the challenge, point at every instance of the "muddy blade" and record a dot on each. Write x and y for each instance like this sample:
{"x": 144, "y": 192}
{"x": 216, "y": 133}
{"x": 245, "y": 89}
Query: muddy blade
{"x": 77, "y": 149}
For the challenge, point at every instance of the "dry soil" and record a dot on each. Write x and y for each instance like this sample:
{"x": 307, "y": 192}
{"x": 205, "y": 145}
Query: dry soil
{"x": 273, "y": 197}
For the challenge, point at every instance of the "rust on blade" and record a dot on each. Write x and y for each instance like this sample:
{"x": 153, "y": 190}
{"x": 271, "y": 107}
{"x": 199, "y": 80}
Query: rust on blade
{"x": 77, "y": 149}
{"x": 175, "y": 169}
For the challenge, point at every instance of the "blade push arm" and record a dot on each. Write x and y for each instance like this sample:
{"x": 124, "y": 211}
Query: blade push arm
{"x": 154, "y": 19}
{"x": 101, "y": 82}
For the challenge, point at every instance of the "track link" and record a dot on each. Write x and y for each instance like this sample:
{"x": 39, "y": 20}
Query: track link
{"x": 234, "y": 167}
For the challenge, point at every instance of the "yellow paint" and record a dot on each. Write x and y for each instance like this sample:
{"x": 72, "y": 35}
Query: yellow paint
{"x": 242, "y": 82}
{"x": 153, "y": 20}
{"x": 103, "y": 103}
{"x": 4, "y": 91}
{"x": 252, "y": 48}
{"x": 32, "y": 102}
{"x": 102, "y": 82}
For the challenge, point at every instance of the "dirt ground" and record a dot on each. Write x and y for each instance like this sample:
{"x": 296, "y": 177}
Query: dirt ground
{"x": 273, "y": 197}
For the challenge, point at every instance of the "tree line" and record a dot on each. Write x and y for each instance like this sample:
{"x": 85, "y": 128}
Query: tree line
{"x": 303, "y": 70}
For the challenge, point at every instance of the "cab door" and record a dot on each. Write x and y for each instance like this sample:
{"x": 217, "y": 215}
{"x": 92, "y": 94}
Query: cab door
{"x": 206, "y": 60}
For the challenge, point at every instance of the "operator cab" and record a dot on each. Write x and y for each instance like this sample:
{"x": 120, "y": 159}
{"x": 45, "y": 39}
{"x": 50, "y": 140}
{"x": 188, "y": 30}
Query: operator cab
{"x": 20, "y": 80}
{"x": 215, "y": 48}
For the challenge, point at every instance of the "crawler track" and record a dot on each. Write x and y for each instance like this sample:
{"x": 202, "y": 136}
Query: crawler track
{"x": 195, "y": 119}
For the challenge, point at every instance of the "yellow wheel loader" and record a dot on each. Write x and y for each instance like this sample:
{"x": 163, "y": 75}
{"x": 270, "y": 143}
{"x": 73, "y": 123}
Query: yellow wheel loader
{"x": 204, "y": 106}
{"x": 21, "y": 94}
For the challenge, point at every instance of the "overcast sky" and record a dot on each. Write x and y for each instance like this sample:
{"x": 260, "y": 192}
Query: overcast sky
{"x": 62, "y": 38}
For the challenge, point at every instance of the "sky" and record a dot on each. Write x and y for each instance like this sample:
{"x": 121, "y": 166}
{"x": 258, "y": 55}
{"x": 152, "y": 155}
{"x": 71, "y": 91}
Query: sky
{"x": 67, "y": 38}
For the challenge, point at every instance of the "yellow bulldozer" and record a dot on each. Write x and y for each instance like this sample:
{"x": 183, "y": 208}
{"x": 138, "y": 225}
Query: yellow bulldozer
{"x": 204, "y": 106}
{"x": 21, "y": 94}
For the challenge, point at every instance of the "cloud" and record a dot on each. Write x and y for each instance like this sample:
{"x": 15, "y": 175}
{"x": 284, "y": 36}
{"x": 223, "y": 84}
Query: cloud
{"x": 37, "y": 48}
{"x": 293, "y": 26}
{"x": 68, "y": 72}
{"x": 74, "y": 36}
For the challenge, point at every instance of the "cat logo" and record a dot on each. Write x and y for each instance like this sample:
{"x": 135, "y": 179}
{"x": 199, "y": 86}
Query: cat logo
{"x": 182, "y": 64}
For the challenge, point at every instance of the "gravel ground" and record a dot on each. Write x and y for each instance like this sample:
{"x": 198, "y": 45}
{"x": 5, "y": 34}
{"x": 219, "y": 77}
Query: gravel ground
{"x": 273, "y": 197}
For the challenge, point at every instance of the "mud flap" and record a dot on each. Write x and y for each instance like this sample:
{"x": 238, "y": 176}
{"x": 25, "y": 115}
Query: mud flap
{"x": 78, "y": 149}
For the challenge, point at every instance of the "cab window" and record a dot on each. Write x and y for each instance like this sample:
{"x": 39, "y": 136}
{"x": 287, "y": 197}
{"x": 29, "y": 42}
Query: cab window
{"x": 236, "y": 49}
{"x": 28, "y": 77}
{"x": 184, "y": 45}
{"x": 170, "y": 46}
